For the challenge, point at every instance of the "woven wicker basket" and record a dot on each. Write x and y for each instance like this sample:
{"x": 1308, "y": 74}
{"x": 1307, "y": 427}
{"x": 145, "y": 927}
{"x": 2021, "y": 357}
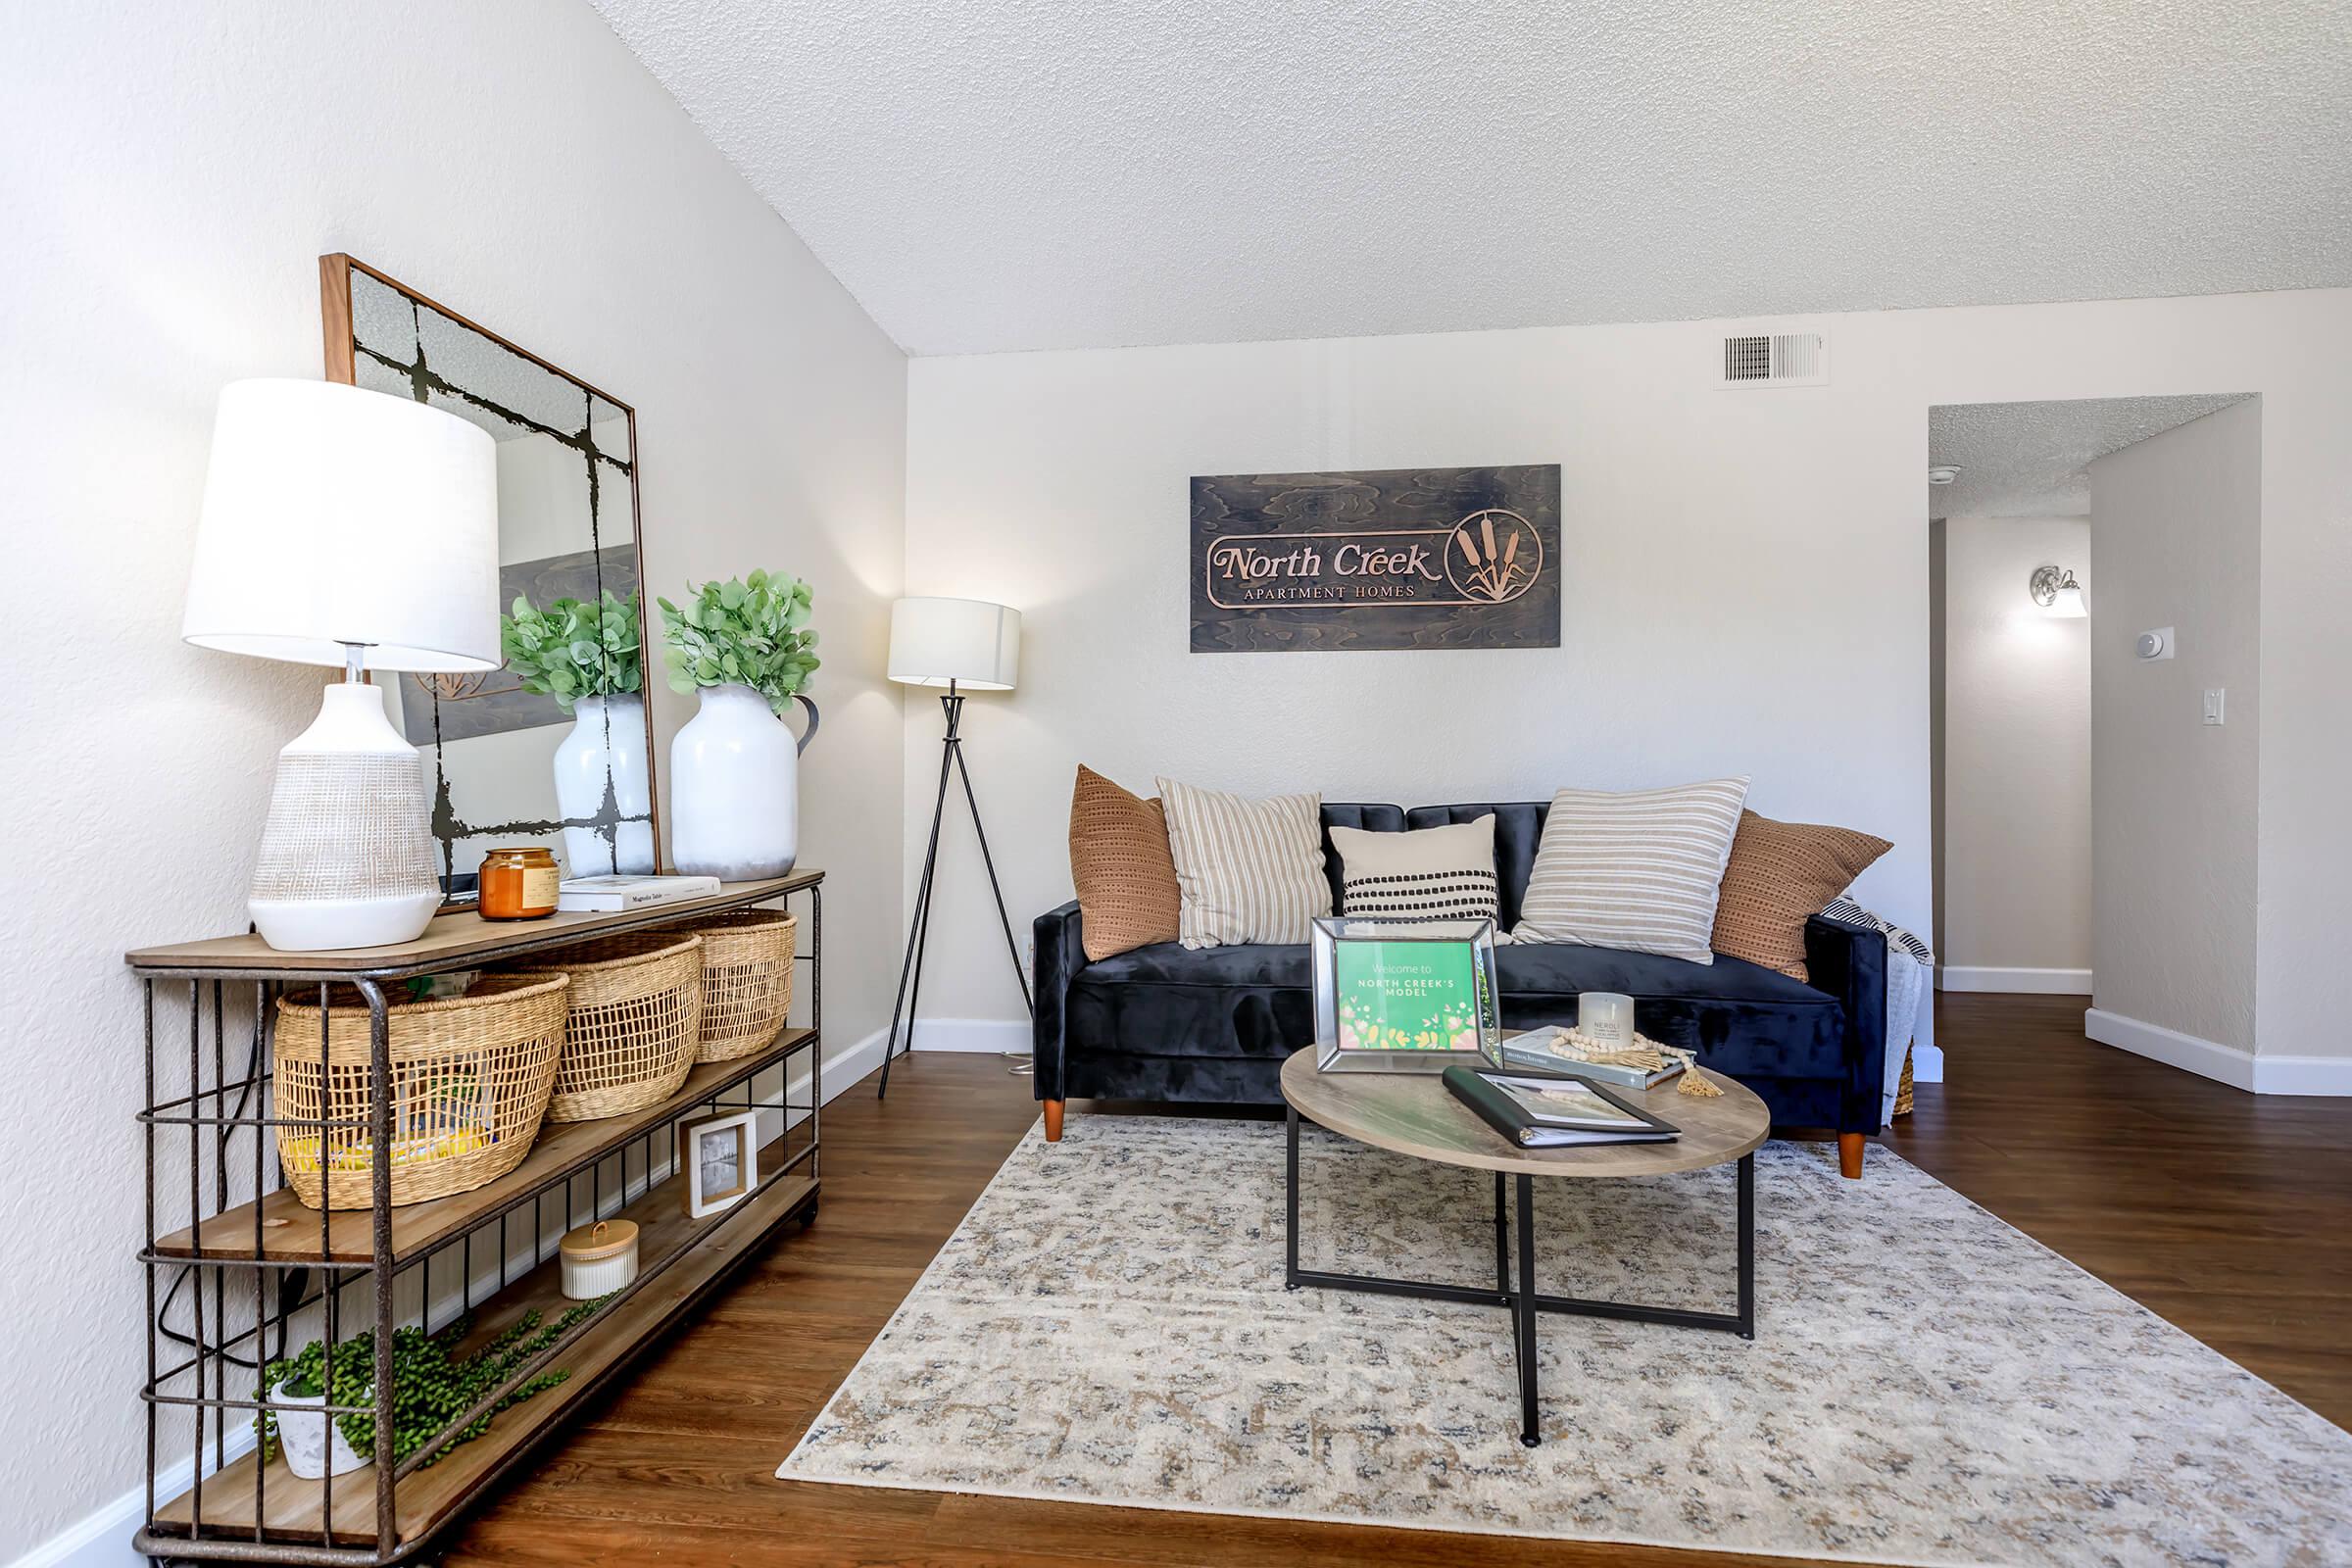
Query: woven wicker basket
{"x": 471, "y": 1080}
{"x": 636, "y": 1019}
{"x": 746, "y": 979}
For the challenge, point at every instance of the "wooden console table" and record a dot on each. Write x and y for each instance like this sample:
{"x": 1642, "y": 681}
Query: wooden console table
{"x": 252, "y": 1275}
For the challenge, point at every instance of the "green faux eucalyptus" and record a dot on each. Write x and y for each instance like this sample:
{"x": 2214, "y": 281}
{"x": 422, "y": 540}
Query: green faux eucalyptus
{"x": 748, "y": 631}
{"x": 574, "y": 648}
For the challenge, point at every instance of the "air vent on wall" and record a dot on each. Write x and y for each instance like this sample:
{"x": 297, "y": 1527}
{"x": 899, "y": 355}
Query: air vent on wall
{"x": 1776, "y": 359}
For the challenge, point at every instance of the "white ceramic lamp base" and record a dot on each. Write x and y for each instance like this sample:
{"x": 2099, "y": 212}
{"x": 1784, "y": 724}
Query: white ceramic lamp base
{"x": 347, "y": 854}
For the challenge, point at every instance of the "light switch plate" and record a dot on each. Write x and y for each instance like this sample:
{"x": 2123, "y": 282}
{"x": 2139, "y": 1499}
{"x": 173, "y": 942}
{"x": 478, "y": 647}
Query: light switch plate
{"x": 2213, "y": 703}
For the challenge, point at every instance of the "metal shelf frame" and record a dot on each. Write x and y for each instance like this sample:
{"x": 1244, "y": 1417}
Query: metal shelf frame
{"x": 216, "y": 1314}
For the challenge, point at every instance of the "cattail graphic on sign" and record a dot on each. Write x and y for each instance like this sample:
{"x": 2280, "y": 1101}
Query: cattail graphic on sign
{"x": 1494, "y": 573}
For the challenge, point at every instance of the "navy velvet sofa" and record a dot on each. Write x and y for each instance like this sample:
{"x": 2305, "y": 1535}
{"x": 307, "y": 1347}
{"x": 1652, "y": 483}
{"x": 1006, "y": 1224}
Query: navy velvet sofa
{"x": 1160, "y": 1023}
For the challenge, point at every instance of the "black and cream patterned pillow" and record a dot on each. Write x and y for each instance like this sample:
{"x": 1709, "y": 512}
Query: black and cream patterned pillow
{"x": 1430, "y": 873}
{"x": 1846, "y": 911}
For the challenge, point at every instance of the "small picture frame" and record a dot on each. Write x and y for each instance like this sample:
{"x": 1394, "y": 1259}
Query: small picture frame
{"x": 719, "y": 1157}
{"x": 1404, "y": 996}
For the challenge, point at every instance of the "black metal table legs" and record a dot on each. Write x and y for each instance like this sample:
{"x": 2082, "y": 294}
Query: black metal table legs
{"x": 1523, "y": 1309}
{"x": 1521, "y": 1297}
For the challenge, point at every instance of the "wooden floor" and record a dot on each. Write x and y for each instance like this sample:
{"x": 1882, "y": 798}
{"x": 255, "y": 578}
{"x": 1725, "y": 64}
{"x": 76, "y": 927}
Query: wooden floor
{"x": 2224, "y": 1212}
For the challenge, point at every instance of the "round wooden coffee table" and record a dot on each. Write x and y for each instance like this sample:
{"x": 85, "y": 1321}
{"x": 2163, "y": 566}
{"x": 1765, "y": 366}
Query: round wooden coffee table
{"x": 1416, "y": 1115}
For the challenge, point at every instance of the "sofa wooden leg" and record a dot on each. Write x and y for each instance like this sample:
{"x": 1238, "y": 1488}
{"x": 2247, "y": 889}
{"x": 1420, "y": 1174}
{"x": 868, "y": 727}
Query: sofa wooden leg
{"x": 1850, "y": 1153}
{"x": 1054, "y": 1126}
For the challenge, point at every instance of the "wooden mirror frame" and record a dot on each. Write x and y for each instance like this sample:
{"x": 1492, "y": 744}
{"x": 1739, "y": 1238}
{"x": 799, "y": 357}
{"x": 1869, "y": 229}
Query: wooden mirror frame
{"x": 340, "y": 339}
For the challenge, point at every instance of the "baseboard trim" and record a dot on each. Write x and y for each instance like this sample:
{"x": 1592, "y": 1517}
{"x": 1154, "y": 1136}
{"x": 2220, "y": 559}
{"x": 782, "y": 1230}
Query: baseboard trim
{"x": 101, "y": 1538}
{"x": 2016, "y": 982}
{"x": 2252, "y": 1071}
{"x": 2207, "y": 1058}
{"x": 995, "y": 1035}
{"x": 2320, "y": 1076}
{"x": 847, "y": 1066}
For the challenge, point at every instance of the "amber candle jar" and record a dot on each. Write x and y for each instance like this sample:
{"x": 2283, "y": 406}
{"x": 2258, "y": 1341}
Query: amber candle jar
{"x": 518, "y": 885}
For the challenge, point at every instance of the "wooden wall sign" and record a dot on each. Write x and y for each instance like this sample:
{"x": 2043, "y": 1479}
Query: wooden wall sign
{"x": 1388, "y": 558}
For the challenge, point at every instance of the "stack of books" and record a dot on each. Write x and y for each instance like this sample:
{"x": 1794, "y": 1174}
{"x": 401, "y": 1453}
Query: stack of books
{"x": 1644, "y": 1064}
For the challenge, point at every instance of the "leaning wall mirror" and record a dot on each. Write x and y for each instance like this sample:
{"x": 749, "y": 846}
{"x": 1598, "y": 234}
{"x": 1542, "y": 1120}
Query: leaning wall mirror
{"x": 555, "y": 749}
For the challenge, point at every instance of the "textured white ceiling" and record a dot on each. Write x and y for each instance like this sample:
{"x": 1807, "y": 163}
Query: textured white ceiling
{"x": 993, "y": 174}
{"x": 2028, "y": 460}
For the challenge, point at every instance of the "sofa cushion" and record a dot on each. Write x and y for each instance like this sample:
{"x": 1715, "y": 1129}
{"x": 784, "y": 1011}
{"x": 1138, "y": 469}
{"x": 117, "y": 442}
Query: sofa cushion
{"x": 1252, "y": 1001}
{"x": 1740, "y": 1018}
{"x": 1249, "y": 1000}
{"x": 1564, "y": 969}
{"x": 1165, "y": 963}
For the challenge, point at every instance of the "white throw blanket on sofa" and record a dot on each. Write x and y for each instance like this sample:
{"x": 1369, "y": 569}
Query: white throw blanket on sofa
{"x": 1910, "y": 968}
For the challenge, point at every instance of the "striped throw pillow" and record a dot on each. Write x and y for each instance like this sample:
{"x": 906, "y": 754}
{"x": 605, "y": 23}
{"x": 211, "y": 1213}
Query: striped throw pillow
{"x": 1430, "y": 873}
{"x": 1640, "y": 872}
{"x": 1246, "y": 870}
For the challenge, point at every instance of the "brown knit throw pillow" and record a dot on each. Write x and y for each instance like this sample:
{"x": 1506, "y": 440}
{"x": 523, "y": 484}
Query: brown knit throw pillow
{"x": 1779, "y": 875}
{"x": 1119, "y": 860}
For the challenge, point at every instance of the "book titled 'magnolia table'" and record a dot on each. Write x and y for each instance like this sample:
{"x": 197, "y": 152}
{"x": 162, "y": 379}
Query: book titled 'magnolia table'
{"x": 1541, "y": 1112}
{"x": 610, "y": 895}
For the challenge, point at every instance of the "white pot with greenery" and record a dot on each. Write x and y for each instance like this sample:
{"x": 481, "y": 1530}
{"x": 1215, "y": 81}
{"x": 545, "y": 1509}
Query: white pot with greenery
{"x": 588, "y": 658}
{"x": 314, "y": 1443}
{"x": 734, "y": 768}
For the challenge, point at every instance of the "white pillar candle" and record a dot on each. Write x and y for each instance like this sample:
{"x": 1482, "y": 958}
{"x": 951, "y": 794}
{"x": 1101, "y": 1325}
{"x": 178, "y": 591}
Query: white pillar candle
{"x": 1605, "y": 1017}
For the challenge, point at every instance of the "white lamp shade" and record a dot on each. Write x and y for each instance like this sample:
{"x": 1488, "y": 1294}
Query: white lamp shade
{"x": 2068, "y": 604}
{"x": 335, "y": 515}
{"x": 967, "y": 641}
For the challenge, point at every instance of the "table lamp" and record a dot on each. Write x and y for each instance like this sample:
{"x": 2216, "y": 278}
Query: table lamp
{"x": 342, "y": 527}
{"x": 955, "y": 644}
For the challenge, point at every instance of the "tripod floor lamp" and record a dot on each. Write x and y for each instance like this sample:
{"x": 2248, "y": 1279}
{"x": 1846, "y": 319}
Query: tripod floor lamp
{"x": 960, "y": 644}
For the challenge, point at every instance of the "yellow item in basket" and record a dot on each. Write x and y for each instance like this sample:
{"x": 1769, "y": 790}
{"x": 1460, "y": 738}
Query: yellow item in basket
{"x": 302, "y": 1154}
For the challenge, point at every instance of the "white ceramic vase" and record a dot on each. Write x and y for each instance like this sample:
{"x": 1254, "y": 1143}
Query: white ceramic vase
{"x": 734, "y": 788}
{"x": 606, "y": 741}
{"x": 311, "y": 1442}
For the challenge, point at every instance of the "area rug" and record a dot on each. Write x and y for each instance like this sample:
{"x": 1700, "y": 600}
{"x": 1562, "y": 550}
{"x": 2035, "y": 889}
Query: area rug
{"x": 1927, "y": 1385}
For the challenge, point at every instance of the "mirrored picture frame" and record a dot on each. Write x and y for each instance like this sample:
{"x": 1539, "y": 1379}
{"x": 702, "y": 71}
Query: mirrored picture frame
{"x": 1404, "y": 996}
{"x": 506, "y": 765}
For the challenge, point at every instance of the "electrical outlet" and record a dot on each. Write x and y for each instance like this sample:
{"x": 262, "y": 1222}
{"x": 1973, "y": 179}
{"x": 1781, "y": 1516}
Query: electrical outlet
{"x": 2213, "y": 703}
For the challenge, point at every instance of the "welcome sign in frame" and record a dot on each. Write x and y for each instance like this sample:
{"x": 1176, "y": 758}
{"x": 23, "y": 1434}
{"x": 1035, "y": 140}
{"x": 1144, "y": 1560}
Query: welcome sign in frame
{"x": 1399, "y": 996}
{"x": 1386, "y": 558}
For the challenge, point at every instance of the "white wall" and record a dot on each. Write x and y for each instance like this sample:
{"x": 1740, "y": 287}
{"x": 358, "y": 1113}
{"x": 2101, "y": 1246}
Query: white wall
{"x": 1746, "y": 581}
{"x": 173, "y": 173}
{"x": 2015, "y": 906}
{"x": 2178, "y": 521}
{"x": 1712, "y": 545}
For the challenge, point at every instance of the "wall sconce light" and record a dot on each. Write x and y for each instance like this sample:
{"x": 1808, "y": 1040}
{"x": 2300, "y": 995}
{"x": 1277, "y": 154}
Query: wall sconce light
{"x": 2057, "y": 593}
